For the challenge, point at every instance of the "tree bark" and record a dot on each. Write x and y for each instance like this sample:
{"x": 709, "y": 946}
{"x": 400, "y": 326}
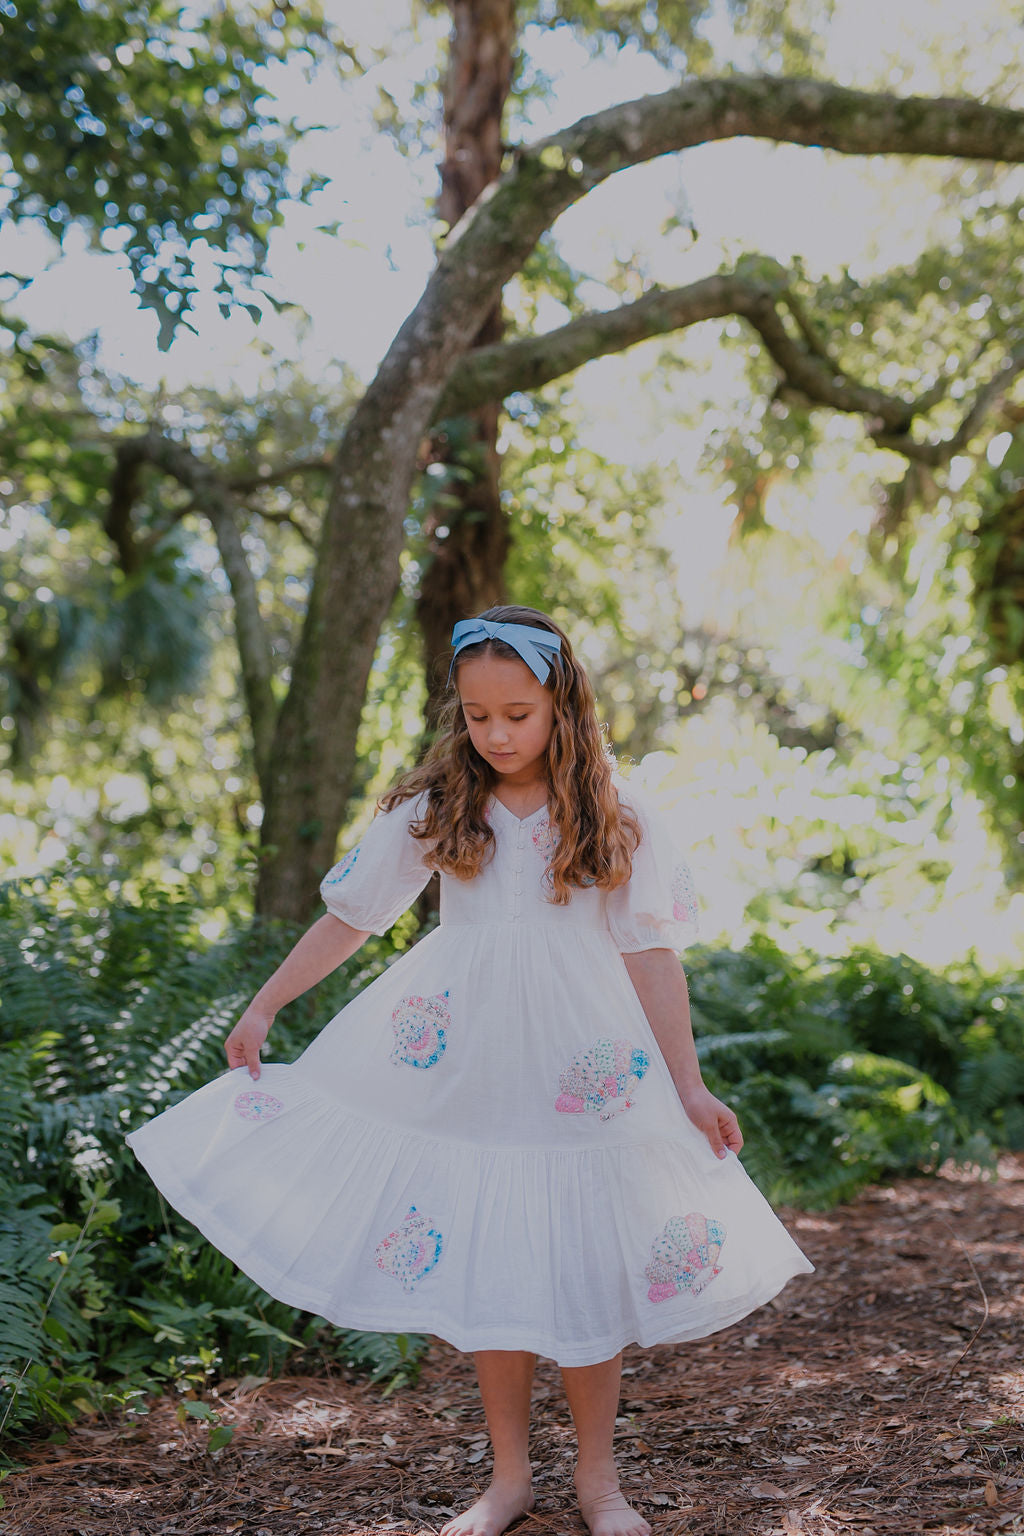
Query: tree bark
{"x": 467, "y": 534}
{"x": 494, "y": 372}
{"x": 358, "y": 565}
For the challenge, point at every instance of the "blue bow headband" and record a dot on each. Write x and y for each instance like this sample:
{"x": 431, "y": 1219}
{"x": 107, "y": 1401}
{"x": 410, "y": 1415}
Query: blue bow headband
{"x": 530, "y": 643}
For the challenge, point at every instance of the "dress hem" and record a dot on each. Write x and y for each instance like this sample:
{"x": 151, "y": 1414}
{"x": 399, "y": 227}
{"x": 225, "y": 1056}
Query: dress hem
{"x": 466, "y": 1340}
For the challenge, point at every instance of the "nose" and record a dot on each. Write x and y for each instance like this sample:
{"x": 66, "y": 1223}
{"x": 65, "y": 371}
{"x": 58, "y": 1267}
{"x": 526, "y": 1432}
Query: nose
{"x": 498, "y": 735}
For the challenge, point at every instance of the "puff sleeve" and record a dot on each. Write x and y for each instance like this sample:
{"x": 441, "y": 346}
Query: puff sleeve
{"x": 382, "y": 876}
{"x": 657, "y": 909}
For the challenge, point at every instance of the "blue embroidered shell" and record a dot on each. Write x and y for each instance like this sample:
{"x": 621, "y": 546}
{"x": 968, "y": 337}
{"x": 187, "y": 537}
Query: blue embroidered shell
{"x": 255, "y": 1105}
{"x": 340, "y": 870}
{"x": 602, "y": 1079}
{"x": 421, "y": 1026}
{"x": 684, "y": 1256}
{"x": 411, "y": 1251}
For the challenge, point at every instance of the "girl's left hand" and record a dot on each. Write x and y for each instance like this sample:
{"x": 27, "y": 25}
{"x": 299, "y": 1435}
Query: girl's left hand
{"x": 714, "y": 1118}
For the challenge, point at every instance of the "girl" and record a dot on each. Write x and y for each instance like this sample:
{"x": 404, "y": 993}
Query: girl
{"x": 504, "y": 1140}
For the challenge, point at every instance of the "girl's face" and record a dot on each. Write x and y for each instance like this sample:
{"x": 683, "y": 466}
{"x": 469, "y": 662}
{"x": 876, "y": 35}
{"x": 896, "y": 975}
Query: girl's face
{"x": 510, "y": 716}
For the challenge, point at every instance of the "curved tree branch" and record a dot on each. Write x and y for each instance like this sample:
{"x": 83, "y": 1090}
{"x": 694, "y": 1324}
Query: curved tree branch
{"x": 988, "y": 398}
{"x": 274, "y": 474}
{"x": 211, "y": 497}
{"x": 495, "y": 372}
{"x": 123, "y": 494}
{"x": 491, "y": 242}
{"x": 308, "y": 538}
{"x": 807, "y": 329}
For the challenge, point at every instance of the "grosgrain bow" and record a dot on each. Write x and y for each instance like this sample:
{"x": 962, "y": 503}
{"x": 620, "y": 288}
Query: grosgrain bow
{"x": 529, "y": 642}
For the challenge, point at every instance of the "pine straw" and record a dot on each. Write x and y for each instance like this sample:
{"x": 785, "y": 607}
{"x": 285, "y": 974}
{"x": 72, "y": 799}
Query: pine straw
{"x": 881, "y": 1396}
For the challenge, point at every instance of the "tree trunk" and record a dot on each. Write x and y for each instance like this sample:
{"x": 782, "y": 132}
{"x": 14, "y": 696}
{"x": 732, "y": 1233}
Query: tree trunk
{"x": 468, "y": 536}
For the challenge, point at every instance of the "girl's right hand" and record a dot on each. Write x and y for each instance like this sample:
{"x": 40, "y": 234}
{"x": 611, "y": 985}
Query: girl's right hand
{"x": 243, "y": 1043}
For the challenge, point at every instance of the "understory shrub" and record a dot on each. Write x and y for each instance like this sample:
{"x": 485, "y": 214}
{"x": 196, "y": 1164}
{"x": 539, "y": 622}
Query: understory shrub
{"x": 111, "y": 1011}
{"x": 846, "y": 1071}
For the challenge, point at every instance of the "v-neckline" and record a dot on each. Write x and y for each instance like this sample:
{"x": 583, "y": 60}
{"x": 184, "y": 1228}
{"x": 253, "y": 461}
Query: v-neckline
{"x": 521, "y": 820}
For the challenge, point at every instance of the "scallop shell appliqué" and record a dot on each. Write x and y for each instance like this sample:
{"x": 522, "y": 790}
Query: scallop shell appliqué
{"x": 421, "y": 1027}
{"x": 684, "y": 896}
{"x": 410, "y": 1251}
{"x": 545, "y": 836}
{"x": 684, "y": 1256}
{"x": 602, "y": 1079}
{"x": 338, "y": 873}
{"x": 255, "y": 1105}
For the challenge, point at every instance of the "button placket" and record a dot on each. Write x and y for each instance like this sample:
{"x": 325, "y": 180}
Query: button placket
{"x": 517, "y": 874}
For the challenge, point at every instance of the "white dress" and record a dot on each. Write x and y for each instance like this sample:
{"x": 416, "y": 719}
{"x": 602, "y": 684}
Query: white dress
{"x": 486, "y": 1144}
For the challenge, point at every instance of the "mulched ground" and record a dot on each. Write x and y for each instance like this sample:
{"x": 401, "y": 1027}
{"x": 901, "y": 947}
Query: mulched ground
{"x": 881, "y": 1396}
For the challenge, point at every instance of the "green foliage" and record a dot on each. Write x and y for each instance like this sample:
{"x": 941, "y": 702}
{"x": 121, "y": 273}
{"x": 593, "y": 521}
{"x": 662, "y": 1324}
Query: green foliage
{"x": 783, "y": 35}
{"x": 936, "y": 617}
{"x": 152, "y": 128}
{"x": 846, "y": 1071}
{"x": 113, "y": 1009}
{"x": 118, "y": 658}
{"x": 219, "y": 1434}
{"x": 390, "y": 1357}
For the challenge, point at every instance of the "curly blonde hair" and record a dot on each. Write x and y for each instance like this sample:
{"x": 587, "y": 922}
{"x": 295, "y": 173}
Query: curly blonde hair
{"x": 597, "y": 835}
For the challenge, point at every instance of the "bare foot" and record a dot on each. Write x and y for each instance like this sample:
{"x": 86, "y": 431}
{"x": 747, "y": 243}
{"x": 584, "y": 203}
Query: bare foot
{"x": 603, "y": 1507}
{"x": 505, "y": 1500}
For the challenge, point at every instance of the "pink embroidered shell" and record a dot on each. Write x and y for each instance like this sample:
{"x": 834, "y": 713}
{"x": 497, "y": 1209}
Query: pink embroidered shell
{"x": 410, "y": 1251}
{"x": 684, "y": 1256}
{"x": 254, "y": 1105}
{"x": 545, "y": 836}
{"x": 684, "y": 896}
{"x": 421, "y": 1027}
{"x": 602, "y": 1079}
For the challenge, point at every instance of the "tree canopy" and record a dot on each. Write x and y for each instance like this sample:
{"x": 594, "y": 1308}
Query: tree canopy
{"x": 153, "y": 129}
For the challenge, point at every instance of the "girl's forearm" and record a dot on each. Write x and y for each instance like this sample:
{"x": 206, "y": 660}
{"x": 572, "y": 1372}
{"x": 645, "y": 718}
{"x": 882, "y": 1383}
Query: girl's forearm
{"x": 324, "y": 947}
{"x": 661, "y": 987}
{"x": 660, "y": 984}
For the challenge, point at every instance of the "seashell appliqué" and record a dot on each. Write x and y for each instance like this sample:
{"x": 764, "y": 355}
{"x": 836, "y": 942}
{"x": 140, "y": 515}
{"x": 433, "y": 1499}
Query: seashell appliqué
{"x": 340, "y": 870}
{"x": 684, "y": 895}
{"x": 256, "y": 1105}
{"x": 545, "y": 837}
{"x": 602, "y": 1079}
{"x": 684, "y": 1256}
{"x": 421, "y": 1027}
{"x": 410, "y": 1251}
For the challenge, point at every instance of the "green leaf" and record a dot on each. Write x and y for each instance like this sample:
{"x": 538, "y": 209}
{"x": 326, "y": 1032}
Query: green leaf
{"x": 57, "y": 1331}
{"x": 220, "y": 1435}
